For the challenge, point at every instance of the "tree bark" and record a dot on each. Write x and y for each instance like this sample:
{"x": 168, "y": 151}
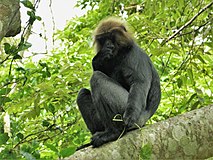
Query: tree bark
{"x": 186, "y": 136}
{"x": 10, "y": 23}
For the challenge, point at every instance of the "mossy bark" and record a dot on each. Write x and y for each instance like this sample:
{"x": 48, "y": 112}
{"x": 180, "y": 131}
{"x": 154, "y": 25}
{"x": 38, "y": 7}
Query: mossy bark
{"x": 186, "y": 136}
{"x": 10, "y": 23}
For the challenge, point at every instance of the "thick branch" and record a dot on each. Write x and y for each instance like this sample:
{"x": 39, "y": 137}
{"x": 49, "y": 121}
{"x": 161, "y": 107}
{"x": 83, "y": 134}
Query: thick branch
{"x": 188, "y": 23}
{"x": 186, "y": 136}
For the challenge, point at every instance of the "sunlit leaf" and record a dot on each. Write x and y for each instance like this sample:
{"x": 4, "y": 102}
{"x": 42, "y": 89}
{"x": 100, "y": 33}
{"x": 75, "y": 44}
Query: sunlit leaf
{"x": 185, "y": 60}
{"x": 190, "y": 75}
{"x": 200, "y": 58}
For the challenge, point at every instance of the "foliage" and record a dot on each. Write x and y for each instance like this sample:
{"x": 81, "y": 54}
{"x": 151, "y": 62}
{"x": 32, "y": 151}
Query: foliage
{"x": 40, "y": 96}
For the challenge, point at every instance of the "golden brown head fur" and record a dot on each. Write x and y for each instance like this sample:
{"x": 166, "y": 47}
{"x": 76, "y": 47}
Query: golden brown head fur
{"x": 123, "y": 39}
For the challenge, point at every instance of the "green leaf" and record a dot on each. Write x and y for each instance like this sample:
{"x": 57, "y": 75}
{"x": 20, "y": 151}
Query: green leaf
{"x": 24, "y": 46}
{"x": 181, "y": 3}
{"x": 37, "y": 110}
{"x": 199, "y": 91}
{"x": 21, "y": 69}
{"x": 38, "y": 18}
{"x": 35, "y": 144}
{"x": 67, "y": 151}
{"x": 45, "y": 123}
{"x": 170, "y": 3}
{"x": 179, "y": 82}
{"x": 200, "y": 58}
{"x": 44, "y": 65}
{"x": 190, "y": 75}
{"x": 48, "y": 73}
{"x": 32, "y": 16}
{"x": 17, "y": 57}
{"x": 3, "y": 138}
{"x": 4, "y": 99}
{"x": 51, "y": 108}
{"x": 26, "y": 148}
{"x": 20, "y": 135}
{"x": 191, "y": 98}
{"x": 194, "y": 106}
{"x": 5, "y": 91}
{"x": 50, "y": 146}
{"x": 13, "y": 50}
{"x": 27, "y": 4}
{"x": 7, "y": 48}
{"x": 37, "y": 100}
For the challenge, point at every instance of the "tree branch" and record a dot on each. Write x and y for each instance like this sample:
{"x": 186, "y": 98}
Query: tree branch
{"x": 188, "y": 23}
{"x": 186, "y": 136}
{"x": 195, "y": 29}
{"x": 32, "y": 134}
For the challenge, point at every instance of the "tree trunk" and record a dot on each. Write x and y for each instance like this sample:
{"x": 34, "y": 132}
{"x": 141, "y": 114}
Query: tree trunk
{"x": 186, "y": 136}
{"x": 10, "y": 23}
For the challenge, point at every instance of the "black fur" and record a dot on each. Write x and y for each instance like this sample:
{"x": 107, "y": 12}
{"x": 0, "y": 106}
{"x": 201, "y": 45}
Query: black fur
{"x": 124, "y": 82}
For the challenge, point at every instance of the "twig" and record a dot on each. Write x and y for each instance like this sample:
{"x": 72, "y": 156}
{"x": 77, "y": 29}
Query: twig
{"x": 32, "y": 134}
{"x": 5, "y": 59}
{"x": 53, "y": 21}
{"x": 188, "y": 23}
{"x": 195, "y": 29}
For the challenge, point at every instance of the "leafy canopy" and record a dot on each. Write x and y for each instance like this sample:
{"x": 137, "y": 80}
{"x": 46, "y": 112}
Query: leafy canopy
{"x": 39, "y": 97}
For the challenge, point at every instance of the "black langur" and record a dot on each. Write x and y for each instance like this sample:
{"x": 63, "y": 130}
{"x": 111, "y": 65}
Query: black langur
{"x": 124, "y": 84}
